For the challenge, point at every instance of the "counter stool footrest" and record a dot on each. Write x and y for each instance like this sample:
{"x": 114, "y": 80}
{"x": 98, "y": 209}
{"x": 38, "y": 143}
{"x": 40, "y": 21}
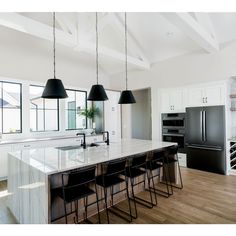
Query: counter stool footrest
{"x": 111, "y": 209}
{"x": 142, "y": 202}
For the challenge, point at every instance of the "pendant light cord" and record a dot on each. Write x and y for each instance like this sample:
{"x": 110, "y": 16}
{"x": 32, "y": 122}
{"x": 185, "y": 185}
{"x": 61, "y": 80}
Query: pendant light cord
{"x": 54, "y": 46}
{"x": 97, "y": 45}
{"x": 126, "y": 66}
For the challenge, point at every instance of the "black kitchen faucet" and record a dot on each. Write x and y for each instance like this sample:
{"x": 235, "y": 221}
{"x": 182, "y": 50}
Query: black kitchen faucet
{"x": 107, "y": 141}
{"x": 84, "y": 139}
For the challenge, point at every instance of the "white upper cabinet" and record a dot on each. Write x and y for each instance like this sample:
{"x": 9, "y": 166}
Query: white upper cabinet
{"x": 205, "y": 96}
{"x": 177, "y": 99}
{"x": 195, "y": 97}
{"x": 172, "y": 100}
{"x": 214, "y": 95}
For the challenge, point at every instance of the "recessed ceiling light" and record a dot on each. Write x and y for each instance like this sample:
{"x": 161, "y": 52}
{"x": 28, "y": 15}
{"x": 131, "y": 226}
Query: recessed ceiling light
{"x": 169, "y": 34}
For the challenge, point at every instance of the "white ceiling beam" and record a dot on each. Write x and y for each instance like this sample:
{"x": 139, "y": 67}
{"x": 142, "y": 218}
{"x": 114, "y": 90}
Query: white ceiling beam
{"x": 118, "y": 24}
{"x": 29, "y": 26}
{"x": 66, "y": 24}
{"x": 188, "y": 25}
{"x": 204, "y": 20}
{"x": 102, "y": 23}
{"x": 105, "y": 51}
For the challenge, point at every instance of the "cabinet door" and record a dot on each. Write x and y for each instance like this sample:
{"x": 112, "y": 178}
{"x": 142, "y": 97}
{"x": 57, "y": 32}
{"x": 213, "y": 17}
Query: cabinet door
{"x": 112, "y": 115}
{"x": 166, "y": 101}
{"x": 176, "y": 100}
{"x": 214, "y": 95}
{"x": 3, "y": 160}
{"x": 195, "y": 97}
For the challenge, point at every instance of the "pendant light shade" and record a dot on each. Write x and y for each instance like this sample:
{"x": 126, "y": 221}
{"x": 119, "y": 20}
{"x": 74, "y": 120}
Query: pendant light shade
{"x": 54, "y": 88}
{"x": 126, "y": 96}
{"x": 97, "y": 92}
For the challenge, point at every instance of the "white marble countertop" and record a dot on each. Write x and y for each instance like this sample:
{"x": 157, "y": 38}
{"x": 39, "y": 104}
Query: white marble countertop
{"x": 36, "y": 139}
{"x": 52, "y": 160}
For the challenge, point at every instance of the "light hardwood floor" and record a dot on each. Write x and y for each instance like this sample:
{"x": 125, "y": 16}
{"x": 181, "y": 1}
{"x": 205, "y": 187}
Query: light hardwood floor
{"x": 206, "y": 198}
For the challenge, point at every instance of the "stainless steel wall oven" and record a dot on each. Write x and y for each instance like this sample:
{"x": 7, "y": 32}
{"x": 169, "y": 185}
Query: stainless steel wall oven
{"x": 173, "y": 129}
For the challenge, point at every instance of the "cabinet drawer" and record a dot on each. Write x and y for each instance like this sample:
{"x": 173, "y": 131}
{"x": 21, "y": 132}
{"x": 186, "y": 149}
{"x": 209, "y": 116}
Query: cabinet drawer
{"x": 182, "y": 159}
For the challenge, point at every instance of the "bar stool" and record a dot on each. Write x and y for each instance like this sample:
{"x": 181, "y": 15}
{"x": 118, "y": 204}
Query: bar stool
{"x": 156, "y": 163}
{"x": 138, "y": 167}
{"x": 113, "y": 173}
{"x": 172, "y": 156}
{"x": 76, "y": 185}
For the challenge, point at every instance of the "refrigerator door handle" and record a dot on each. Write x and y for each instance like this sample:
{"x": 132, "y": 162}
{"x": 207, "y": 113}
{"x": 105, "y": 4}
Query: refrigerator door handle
{"x": 204, "y": 126}
{"x": 201, "y": 127}
{"x": 206, "y": 148}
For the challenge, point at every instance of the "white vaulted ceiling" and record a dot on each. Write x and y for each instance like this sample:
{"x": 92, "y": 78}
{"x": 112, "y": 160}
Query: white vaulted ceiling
{"x": 152, "y": 37}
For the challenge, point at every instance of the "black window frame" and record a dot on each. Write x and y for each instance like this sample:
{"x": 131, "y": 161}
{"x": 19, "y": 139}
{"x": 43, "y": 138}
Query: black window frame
{"x": 58, "y": 113}
{"x": 86, "y": 106}
{"x": 1, "y": 95}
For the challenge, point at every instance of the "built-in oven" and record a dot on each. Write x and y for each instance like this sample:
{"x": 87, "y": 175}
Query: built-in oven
{"x": 173, "y": 129}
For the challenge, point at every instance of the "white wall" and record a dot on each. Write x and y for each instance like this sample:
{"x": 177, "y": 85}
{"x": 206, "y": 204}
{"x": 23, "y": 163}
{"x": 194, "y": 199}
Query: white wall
{"x": 28, "y": 60}
{"x": 191, "y": 68}
{"x": 22, "y": 59}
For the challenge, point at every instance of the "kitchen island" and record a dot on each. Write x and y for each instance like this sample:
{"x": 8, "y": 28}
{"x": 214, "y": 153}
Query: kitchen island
{"x": 34, "y": 173}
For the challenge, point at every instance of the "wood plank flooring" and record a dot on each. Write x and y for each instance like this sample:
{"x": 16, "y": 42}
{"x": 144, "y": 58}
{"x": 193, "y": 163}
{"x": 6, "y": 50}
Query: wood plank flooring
{"x": 206, "y": 198}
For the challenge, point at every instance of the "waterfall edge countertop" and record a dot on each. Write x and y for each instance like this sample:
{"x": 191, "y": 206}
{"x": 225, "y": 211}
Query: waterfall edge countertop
{"x": 52, "y": 160}
{"x": 38, "y": 139}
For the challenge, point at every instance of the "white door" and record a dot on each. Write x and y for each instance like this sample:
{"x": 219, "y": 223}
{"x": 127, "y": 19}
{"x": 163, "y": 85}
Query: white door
{"x": 195, "y": 97}
{"x": 214, "y": 95}
{"x": 112, "y": 115}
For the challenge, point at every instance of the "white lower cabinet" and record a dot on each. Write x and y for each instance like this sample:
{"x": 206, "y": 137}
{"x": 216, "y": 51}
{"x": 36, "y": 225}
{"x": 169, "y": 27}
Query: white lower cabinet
{"x": 182, "y": 159}
{"x": 4, "y": 149}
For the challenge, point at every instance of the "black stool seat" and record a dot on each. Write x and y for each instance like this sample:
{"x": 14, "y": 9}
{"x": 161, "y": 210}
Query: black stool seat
{"x": 138, "y": 167}
{"x": 75, "y": 193}
{"x": 153, "y": 165}
{"x": 108, "y": 181}
{"x": 134, "y": 172}
{"x": 159, "y": 161}
{"x": 173, "y": 157}
{"x": 113, "y": 173}
{"x": 78, "y": 184}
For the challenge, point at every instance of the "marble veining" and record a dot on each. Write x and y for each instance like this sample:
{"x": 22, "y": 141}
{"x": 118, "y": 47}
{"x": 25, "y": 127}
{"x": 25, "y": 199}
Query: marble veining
{"x": 30, "y": 171}
{"x": 51, "y": 160}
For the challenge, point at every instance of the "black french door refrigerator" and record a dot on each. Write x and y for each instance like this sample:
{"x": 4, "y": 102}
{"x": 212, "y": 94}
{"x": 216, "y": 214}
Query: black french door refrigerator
{"x": 205, "y": 138}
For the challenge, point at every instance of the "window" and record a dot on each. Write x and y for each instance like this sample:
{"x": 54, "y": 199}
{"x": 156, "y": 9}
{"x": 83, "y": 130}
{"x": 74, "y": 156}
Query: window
{"x": 10, "y": 107}
{"x": 76, "y": 102}
{"x": 43, "y": 112}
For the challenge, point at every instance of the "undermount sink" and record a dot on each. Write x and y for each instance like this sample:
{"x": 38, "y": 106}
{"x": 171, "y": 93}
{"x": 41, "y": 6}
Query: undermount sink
{"x": 66, "y": 148}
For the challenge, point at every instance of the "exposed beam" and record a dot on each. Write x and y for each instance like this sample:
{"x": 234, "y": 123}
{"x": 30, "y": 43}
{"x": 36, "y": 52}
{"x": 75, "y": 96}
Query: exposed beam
{"x": 90, "y": 48}
{"x": 66, "y": 24}
{"x": 118, "y": 24}
{"x": 29, "y": 26}
{"x": 187, "y": 24}
{"x": 204, "y": 20}
{"x": 26, "y": 25}
{"x": 102, "y": 23}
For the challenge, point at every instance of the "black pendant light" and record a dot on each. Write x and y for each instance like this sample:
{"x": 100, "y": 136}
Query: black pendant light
{"x": 126, "y": 96}
{"x": 97, "y": 92}
{"x": 54, "y": 88}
